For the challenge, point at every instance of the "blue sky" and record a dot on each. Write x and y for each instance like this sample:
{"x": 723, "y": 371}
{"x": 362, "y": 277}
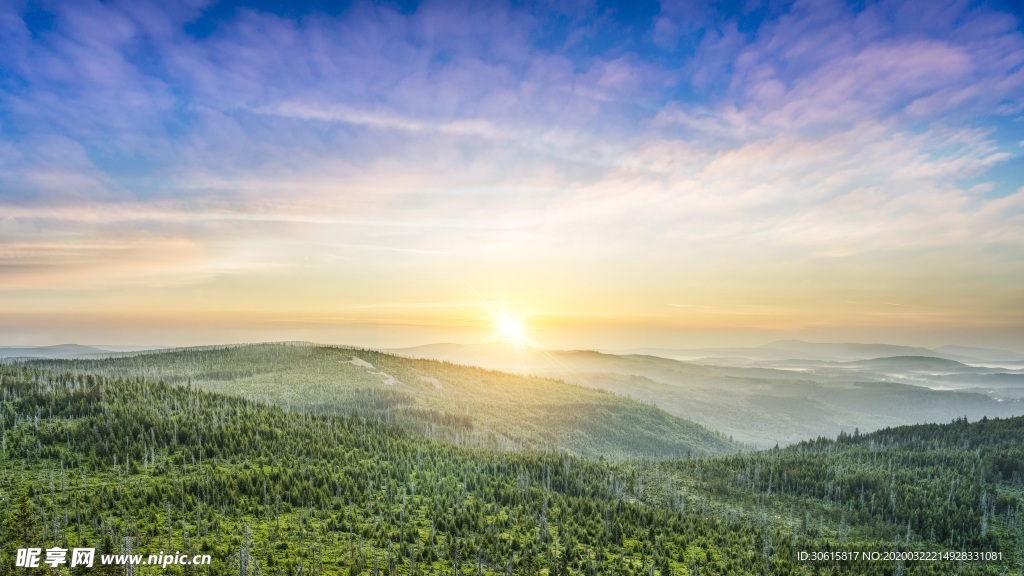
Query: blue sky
{"x": 619, "y": 174}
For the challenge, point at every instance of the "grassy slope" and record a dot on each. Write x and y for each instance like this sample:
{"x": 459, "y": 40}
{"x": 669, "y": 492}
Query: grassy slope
{"x": 463, "y": 404}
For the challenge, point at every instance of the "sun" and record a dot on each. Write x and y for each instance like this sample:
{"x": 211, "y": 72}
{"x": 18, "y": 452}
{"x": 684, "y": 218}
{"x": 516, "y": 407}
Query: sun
{"x": 511, "y": 329}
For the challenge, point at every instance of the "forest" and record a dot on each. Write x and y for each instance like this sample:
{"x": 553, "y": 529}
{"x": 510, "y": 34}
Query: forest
{"x": 122, "y": 463}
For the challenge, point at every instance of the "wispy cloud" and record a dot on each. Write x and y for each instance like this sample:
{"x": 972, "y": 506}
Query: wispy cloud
{"x": 503, "y": 134}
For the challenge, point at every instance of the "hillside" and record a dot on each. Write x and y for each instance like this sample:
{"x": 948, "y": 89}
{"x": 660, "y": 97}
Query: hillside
{"x": 461, "y": 404}
{"x": 89, "y": 461}
{"x": 959, "y": 485}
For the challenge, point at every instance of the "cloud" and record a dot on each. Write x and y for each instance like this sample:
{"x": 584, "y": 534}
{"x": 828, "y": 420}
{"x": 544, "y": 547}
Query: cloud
{"x": 384, "y": 119}
{"x": 858, "y": 191}
{"x": 454, "y": 130}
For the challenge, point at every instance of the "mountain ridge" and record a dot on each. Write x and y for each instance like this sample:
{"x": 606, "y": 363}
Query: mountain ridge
{"x": 465, "y": 404}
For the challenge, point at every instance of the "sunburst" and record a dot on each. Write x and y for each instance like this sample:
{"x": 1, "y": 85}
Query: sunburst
{"x": 511, "y": 329}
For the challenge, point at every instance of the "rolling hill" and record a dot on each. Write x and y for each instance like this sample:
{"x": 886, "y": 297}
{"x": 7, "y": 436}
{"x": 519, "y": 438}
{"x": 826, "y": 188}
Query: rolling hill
{"x": 466, "y": 405}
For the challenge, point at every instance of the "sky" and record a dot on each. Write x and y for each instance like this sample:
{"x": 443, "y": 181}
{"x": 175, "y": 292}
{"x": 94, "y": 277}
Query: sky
{"x": 614, "y": 175}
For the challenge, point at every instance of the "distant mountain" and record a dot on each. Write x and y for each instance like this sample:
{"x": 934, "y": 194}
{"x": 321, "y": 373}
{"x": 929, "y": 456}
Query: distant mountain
{"x": 128, "y": 348}
{"x": 914, "y": 363}
{"x": 844, "y": 351}
{"x": 73, "y": 350}
{"x": 58, "y": 351}
{"x": 786, "y": 350}
{"x": 984, "y": 354}
{"x": 1001, "y": 385}
{"x": 782, "y": 350}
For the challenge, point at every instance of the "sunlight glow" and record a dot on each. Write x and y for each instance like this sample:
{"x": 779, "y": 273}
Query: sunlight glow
{"x": 511, "y": 329}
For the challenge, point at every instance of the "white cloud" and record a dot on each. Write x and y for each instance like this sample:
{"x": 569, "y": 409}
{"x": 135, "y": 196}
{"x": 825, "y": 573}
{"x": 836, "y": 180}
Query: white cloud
{"x": 824, "y": 132}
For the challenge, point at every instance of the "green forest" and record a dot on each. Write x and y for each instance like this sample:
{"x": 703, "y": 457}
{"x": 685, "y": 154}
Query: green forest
{"x": 95, "y": 455}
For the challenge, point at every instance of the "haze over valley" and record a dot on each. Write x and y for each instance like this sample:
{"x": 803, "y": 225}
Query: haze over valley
{"x": 782, "y": 392}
